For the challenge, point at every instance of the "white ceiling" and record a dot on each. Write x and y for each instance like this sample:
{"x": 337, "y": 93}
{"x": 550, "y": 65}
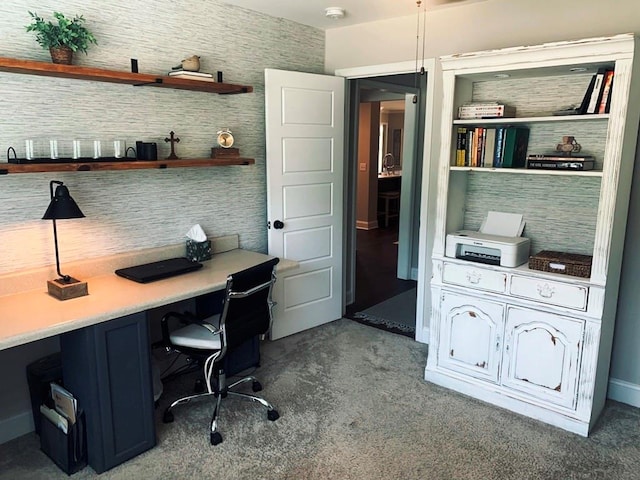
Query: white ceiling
{"x": 311, "y": 12}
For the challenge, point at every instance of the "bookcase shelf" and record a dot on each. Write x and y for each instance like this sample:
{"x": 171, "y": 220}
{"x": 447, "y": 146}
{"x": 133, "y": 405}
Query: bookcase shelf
{"x": 529, "y": 171}
{"x": 32, "y": 67}
{"x": 533, "y": 342}
{"x": 6, "y": 168}
{"x": 541, "y": 119}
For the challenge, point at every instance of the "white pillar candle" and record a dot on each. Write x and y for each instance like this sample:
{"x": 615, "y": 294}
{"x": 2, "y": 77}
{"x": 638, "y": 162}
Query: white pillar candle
{"x": 53, "y": 148}
{"x": 28, "y": 147}
{"x": 77, "y": 149}
{"x": 117, "y": 148}
{"x": 96, "y": 149}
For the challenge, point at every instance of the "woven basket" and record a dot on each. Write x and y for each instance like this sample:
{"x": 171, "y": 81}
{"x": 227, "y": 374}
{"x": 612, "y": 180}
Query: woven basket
{"x": 562, "y": 262}
{"x": 61, "y": 55}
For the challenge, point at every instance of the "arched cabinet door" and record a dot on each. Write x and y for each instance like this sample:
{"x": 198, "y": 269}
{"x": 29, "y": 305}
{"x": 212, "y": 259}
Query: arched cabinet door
{"x": 471, "y": 336}
{"x": 542, "y": 355}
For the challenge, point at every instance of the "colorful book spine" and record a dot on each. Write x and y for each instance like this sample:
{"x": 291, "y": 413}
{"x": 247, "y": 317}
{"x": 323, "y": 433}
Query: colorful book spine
{"x": 479, "y": 146}
{"x": 461, "y": 146}
{"x": 489, "y": 147}
{"x": 606, "y": 90}
{"x": 516, "y": 141}
{"x": 499, "y": 149}
{"x": 596, "y": 94}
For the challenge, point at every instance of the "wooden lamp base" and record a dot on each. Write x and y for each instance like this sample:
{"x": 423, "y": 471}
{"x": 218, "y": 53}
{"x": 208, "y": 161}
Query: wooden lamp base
{"x": 65, "y": 290}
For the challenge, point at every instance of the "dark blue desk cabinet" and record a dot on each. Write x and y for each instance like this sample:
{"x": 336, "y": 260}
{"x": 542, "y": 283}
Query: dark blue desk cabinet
{"x": 107, "y": 367}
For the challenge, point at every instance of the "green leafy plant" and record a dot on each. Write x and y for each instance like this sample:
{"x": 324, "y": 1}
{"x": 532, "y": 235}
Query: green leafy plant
{"x": 66, "y": 32}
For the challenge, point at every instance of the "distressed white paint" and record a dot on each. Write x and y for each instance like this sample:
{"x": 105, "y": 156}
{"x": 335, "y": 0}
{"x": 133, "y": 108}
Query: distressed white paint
{"x": 558, "y": 329}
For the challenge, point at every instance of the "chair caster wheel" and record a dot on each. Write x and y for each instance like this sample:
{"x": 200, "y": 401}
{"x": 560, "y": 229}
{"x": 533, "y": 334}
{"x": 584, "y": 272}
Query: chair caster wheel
{"x": 216, "y": 438}
{"x": 273, "y": 415}
{"x": 199, "y": 386}
{"x": 167, "y": 417}
{"x": 256, "y": 386}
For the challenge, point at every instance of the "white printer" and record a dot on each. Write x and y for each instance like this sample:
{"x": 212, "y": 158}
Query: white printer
{"x": 487, "y": 248}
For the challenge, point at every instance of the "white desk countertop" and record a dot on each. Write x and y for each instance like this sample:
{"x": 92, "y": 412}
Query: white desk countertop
{"x": 33, "y": 315}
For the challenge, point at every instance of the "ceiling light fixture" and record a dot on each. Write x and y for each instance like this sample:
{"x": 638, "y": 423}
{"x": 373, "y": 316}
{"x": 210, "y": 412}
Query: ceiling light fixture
{"x": 334, "y": 13}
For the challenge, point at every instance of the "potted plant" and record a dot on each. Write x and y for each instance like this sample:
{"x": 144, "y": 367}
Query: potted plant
{"x": 62, "y": 38}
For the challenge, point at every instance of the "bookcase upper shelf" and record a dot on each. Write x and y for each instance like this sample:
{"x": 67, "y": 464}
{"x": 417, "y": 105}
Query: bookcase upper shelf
{"x": 545, "y": 119}
{"x": 32, "y": 67}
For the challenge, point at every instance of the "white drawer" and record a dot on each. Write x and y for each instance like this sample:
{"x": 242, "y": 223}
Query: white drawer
{"x": 473, "y": 277}
{"x": 548, "y": 291}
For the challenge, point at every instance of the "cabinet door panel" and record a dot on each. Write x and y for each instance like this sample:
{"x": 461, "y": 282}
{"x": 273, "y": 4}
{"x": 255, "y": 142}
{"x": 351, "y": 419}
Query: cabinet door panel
{"x": 542, "y": 355}
{"x": 471, "y": 336}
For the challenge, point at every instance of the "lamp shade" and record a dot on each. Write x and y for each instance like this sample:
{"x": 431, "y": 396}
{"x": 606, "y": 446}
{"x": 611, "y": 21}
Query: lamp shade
{"x": 62, "y": 206}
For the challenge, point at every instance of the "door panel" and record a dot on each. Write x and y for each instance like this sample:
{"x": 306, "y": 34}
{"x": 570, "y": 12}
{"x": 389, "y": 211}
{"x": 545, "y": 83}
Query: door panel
{"x": 305, "y": 150}
{"x": 471, "y": 336}
{"x": 302, "y": 201}
{"x": 305, "y": 245}
{"x": 307, "y": 155}
{"x": 542, "y": 355}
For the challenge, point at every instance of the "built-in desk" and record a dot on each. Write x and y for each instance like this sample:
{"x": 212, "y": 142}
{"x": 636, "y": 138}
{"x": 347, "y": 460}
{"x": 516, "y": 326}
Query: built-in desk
{"x": 33, "y": 315}
{"x": 104, "y": 340}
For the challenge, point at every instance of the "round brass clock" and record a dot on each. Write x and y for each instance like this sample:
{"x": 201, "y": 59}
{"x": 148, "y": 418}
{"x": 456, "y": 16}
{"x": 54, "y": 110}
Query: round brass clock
{"x": 225, "y": 138}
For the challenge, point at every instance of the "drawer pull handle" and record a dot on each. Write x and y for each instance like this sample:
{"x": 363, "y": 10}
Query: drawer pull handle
{"x": 474, "y": 277}
{"x": 546, "y": 291}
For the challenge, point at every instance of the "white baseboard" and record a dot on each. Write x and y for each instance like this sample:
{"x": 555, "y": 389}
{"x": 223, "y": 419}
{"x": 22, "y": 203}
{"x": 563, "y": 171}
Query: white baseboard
{"x": 16, "y": 426}
{"x": 624, "y": 392}
{"x": 366, "y": 225}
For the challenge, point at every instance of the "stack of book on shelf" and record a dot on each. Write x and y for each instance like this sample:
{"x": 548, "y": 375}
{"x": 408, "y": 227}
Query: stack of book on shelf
{"x": 473, "y": 110}
{"x": 597, "y": 98}
{"x": 561, "y": 162}
{"x": 202, "y": 76}
{"x": 497, "y": 147}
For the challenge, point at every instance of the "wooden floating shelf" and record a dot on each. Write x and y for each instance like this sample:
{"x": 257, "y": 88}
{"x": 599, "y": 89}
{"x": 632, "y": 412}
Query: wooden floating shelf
{"x": 6, "y": 168}
{"x": 47, "y": 69}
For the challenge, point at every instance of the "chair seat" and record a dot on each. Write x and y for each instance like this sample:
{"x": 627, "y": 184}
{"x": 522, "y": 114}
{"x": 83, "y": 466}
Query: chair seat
{"x": 197, "y": 336}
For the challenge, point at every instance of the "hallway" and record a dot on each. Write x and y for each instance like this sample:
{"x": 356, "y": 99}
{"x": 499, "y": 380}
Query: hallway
{"x": 376, "y": 260}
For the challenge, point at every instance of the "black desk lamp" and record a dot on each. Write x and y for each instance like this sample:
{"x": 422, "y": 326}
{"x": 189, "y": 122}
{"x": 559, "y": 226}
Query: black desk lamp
{"x": 62, "y": 206}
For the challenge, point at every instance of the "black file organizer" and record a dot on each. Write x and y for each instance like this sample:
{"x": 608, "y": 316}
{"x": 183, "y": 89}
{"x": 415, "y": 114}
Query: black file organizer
{"x": 67, "y": 450}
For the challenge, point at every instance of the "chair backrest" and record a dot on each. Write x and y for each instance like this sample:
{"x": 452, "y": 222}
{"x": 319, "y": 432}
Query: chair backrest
{"x": 247, "y": 304}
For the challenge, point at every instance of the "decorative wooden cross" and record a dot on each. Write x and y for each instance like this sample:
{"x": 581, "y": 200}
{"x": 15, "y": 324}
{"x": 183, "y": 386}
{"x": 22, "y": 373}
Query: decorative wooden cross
{"x": 173, "y": 140}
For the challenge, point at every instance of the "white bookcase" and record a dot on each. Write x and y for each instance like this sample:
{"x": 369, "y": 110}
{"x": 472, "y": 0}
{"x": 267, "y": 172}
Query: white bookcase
{"x": 533, "y": 342}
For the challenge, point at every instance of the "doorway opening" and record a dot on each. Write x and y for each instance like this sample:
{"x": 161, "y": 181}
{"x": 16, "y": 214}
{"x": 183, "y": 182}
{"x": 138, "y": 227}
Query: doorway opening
{"x": 386, "y": 136}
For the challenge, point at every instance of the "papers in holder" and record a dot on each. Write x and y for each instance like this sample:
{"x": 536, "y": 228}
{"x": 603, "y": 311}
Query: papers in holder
{"x": 503, "y": 224}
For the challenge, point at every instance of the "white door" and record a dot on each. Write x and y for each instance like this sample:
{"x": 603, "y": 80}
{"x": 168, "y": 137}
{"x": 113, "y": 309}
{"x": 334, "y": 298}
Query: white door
{"x": 305, "y": 150}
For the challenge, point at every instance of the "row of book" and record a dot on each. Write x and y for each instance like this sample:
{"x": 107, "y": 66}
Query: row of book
{"x": 496, "y": 147}
{"x": 475, "y": 110}
{"x": 597, "y": 98}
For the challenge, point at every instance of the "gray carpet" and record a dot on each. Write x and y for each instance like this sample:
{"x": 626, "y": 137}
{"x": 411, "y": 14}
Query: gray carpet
{"x": 396, "y": 314}
{"x": 354, "y": 406}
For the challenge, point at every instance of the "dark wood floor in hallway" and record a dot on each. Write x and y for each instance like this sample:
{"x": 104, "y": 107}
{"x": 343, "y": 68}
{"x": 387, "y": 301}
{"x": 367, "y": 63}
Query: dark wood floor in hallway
{"x": 376, "y": 265}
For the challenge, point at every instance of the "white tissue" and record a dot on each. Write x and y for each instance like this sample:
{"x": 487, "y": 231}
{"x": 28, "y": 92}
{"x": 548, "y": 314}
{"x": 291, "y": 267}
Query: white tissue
{"x": 196, "y": 233}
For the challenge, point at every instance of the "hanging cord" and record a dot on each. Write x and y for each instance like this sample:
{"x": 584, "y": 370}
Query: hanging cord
{"x": 424, "y": 35}
{"x": 415, "y": 82}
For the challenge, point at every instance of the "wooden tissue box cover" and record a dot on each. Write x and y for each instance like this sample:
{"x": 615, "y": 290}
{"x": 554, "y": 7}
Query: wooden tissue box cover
{"x": 562, "y": 262}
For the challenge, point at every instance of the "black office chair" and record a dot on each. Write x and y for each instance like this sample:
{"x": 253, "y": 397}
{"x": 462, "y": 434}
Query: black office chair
{"x": 246, "y": 313}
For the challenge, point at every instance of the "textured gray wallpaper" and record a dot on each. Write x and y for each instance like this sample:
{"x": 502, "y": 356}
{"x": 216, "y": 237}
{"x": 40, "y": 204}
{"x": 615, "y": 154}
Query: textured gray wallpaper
{"x": 127, "y": 210}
